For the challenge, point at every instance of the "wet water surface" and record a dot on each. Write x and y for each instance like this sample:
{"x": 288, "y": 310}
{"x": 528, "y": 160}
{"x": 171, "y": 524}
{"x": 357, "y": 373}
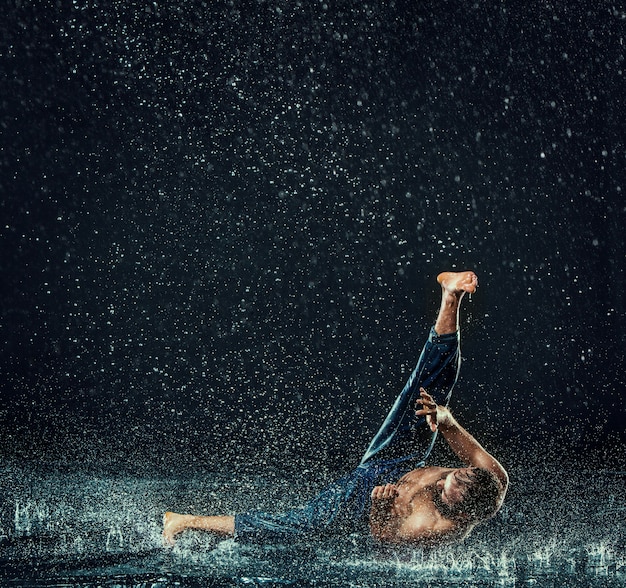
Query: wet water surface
{"x": 79, "y": 529}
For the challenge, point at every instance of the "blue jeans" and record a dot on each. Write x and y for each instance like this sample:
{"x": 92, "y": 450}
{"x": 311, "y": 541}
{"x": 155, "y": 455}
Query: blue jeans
{"x": 402, "y": 444}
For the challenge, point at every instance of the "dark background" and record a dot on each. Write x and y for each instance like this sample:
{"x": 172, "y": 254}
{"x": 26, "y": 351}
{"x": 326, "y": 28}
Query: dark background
{"x": 222, "y": 222}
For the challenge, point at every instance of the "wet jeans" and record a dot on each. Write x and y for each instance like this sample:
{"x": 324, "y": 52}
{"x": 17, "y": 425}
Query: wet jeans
{"x": 402, "y": 444}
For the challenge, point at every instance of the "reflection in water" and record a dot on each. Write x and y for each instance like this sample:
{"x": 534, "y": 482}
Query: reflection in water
{"x": 83, "y": 530}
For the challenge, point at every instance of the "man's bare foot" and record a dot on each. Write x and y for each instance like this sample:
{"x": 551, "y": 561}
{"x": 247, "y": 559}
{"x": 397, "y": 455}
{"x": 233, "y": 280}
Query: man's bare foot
{"x": 454, "y": 285}
{"x": 173, "y": 524}
{"x": 458, "y": 283}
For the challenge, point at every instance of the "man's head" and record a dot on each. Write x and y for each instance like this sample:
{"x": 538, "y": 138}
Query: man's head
{"x": 467, "y": 493}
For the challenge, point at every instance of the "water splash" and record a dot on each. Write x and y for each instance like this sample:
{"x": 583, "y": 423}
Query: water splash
{"x": 80, "y": 525}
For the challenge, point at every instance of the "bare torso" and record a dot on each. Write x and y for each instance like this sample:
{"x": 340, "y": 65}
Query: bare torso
{"x": 412, "y": 515}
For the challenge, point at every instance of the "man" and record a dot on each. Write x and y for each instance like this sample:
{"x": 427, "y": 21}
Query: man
{"x": 392, "y": 493}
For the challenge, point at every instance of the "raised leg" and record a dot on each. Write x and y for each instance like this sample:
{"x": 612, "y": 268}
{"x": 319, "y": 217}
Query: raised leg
{"x": 403, "y": 436}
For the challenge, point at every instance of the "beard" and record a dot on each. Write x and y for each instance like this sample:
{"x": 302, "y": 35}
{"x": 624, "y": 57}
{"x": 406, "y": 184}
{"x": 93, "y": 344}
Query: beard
{"x": 445, "y": 510}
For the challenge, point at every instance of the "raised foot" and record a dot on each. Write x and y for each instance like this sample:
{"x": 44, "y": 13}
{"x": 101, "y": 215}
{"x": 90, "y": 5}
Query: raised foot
{"x": 458, "y": 282}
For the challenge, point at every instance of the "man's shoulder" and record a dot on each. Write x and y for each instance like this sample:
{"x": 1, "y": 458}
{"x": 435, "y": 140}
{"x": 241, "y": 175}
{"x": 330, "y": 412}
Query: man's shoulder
{"x": 428, "y": 472}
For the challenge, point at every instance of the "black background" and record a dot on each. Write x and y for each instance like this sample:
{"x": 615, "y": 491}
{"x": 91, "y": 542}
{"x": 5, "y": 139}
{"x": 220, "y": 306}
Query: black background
{"x": 222, "y": 222}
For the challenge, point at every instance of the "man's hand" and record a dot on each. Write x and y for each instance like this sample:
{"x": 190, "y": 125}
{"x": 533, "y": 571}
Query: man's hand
{"x": 386, "y": 492}
{"x": 460, "y": 441}
{"x": 383, "y": 523}
{"x": 435, "y": 415}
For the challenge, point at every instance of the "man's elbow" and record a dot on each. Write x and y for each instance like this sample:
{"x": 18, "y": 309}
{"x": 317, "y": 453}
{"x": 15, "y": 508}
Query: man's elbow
{"x": 503, "y": 477}
{"x": 496, "y": 468}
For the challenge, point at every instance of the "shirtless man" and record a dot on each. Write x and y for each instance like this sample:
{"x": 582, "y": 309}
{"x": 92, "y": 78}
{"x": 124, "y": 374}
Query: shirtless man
{"x": 392, "y": 493}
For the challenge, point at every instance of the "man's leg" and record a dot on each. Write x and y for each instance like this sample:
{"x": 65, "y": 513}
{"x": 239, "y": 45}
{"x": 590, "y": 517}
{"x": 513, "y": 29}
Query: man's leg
{"x": 174, "y": 523}
{"x": 403, "y": 435}
{"x": 454, "y": 285}
{"x": 339, "y": 506}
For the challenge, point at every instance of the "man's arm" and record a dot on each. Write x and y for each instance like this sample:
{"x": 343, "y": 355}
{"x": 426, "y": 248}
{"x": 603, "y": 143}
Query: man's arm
{"x": 460, "y": 441}
{"x": 383, "y": 522}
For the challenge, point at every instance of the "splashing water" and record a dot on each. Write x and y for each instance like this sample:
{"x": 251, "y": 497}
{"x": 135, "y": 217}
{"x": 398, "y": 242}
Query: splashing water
{"x": 82, "y": 529}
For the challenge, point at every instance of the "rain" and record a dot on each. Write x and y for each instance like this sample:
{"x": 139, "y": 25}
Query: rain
{"x": 221, "y": 224}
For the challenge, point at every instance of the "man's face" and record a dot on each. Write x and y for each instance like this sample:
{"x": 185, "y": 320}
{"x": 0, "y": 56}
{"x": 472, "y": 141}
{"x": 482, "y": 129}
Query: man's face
{"x": 454, "y": 486}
